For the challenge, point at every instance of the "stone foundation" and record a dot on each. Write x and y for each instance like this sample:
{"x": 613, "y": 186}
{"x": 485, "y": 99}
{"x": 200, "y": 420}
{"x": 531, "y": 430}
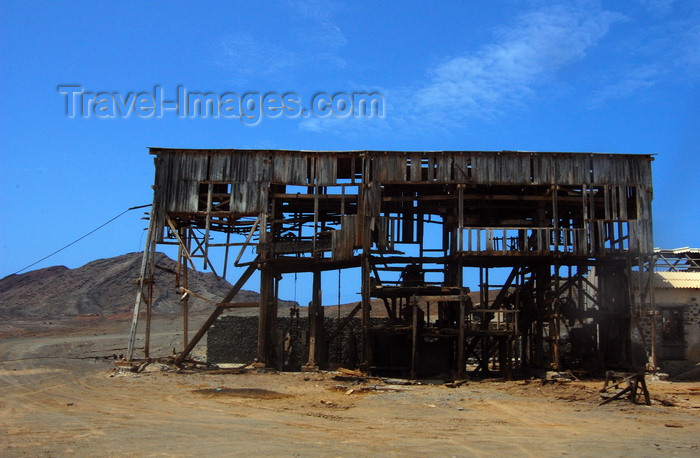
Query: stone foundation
{"x": 233, "y": 339}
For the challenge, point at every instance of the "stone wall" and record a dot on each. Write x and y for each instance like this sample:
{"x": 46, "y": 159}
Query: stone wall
{"x": 233, "y": 339}
{"x": 686, "y": 300}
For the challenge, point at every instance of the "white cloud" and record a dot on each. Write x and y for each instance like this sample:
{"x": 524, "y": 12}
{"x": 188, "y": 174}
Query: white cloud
{"x": 633, "y": 81}
{"x": 665, "y": 53}
{"x": 317, "y": 10}
{"x": 690, "y": 47}
{"x": 538, "y": 52}
{"x": 348, "y": 127}
{"x": 245, "y": 56}
{"x": 511, "y": 69}
{"x": 658, "y": 7}
{"x": 316, "y": 33}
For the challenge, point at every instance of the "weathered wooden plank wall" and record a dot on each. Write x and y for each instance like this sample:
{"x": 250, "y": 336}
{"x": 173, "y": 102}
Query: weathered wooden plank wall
{"x": 480, "y": 167}
{"x": 607, "y": 179}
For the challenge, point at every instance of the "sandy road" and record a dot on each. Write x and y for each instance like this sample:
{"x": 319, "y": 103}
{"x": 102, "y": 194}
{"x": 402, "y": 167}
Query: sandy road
{"x": 52, "y": 404}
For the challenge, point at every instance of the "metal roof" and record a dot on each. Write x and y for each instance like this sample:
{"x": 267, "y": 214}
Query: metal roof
{"x": 670, "y": 280}
{"x": 684, "y": 250}
{"x": 684, "y": 259}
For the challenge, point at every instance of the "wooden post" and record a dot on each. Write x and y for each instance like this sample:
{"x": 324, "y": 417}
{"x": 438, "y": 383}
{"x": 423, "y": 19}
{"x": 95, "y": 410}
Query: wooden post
{"x": 217, "y": 311}
{"x": 185, "y": 301}
{"x": 537, "y": 341}
{"x": 652, "y": 309}
{"x": 414, "y": 336}
{"x": 504, "y": 356}
{"x": 315, "y": 324}
{"x": 146, "y": 260}
{"x": 149, "y": 309}
{"x": 460, "y": 219}
{"x": 366, "y": 308}
{"x": 509, "y": 357}
{"x": 365, "y": 213}
{"x": 554, "y": 328}
{"x": 264, "y": 317}
{"x": 207, "y": 226}
{"x": 460, "y": 343}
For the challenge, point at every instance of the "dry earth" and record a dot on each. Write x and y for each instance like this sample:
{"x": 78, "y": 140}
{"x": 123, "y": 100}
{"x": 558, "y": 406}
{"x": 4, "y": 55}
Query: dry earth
{"x": 60, "y": 396}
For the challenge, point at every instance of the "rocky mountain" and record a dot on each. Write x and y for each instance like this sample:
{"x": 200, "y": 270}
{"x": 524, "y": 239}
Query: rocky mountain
{"x": 106, "y": 287}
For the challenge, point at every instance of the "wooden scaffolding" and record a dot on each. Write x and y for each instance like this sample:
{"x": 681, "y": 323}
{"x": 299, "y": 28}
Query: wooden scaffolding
{"x": 413, "y": 223}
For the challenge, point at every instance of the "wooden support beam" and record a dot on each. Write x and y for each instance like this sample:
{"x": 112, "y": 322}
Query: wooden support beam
{"x": 266, "y": 316}
{"x": 247, "y": 241}
{"x": 184, "y": 246}
{"x": 315, "y": 324}
{"x": 201, "y": 245}
{"x": 414, "y": 336}
{"x": 635, "y": 384}
{"x": 346, "y": 321}
{"x": 207, "y": 227}
{"x": 461, "y": 362}
{"x": 146, "y": 261}
{"x": 185, "y": 300}
{"x": 216, "y": 313}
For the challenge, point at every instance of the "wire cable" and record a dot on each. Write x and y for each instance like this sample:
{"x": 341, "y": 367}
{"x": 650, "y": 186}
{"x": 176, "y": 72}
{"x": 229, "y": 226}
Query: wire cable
{"x": 81, "y": 238}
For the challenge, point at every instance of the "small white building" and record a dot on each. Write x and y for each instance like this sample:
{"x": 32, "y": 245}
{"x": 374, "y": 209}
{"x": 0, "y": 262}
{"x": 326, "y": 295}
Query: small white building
{"x": 673, "y": 338}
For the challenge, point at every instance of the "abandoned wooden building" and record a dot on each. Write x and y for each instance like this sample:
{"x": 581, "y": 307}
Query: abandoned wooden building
{"x": 481, "y": 260}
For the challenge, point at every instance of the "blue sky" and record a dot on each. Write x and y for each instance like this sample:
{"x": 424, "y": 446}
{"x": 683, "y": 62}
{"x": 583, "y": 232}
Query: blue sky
{"x": 602, "y": 76}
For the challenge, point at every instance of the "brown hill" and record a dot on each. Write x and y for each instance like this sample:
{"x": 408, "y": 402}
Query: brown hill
{"x": 105, "y": 287}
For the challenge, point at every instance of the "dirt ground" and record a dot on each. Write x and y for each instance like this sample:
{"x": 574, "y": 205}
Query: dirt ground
{"x": 60, "y": 394}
